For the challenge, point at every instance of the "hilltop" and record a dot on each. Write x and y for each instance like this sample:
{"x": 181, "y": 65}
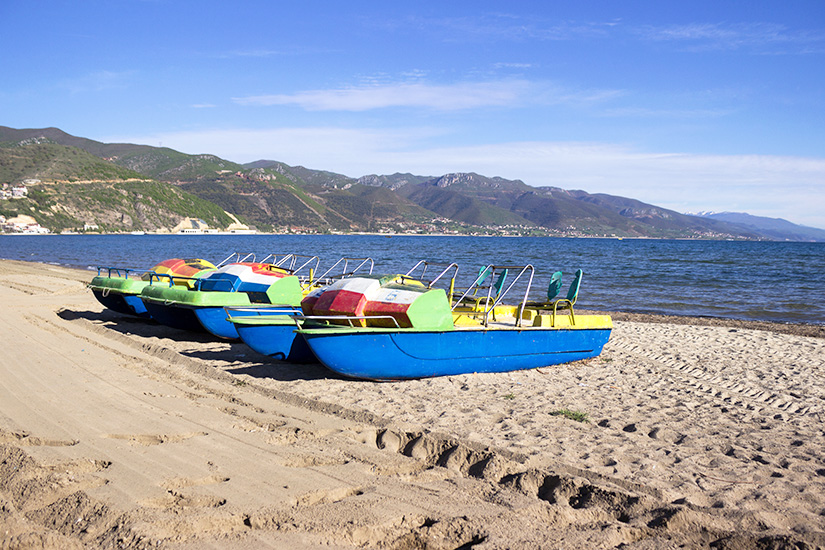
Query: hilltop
{"x": 75, "y": 182}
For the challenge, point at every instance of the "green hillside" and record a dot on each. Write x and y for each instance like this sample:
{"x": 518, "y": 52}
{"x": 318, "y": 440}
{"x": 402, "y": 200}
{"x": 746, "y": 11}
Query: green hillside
{"x": 50, "y": 161}
{"x": 160, "y": 163}
{"x": 393, "y": 181}
{"x": 301, "y": 175}
{"x": 113, "y": 206}
{"x": 460, "y": 207}
{"x": 166, "y": 164}
{"x": 268, "y": 206}
{"x": 70, "y": 188}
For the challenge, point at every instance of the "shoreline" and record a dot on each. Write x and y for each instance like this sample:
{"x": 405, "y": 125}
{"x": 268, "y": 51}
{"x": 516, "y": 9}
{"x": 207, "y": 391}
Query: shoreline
{"x": 799, "y": 329}
{"x": 116, "y": 431}
{"x": 390, "y": 235}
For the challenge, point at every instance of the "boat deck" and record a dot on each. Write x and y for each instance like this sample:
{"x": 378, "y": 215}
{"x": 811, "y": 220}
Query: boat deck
{"x": 531, "y": 319}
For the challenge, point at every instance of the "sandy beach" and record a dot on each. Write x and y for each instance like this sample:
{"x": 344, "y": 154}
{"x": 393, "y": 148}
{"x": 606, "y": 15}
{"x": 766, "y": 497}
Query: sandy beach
{"x": 116, "y": 432}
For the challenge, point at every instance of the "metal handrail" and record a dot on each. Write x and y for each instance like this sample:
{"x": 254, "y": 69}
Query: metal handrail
{"x": 238, "y": 259}
{"x": 491, "y": 302}
{"x": 486, "y": 271}
{"x": 275, "y": 260}
{"x": 288, "y": 261}
{"x": 348, "y": 318}
{"x": 344, "y": 272}
{"x": 500, "y": 297}
{"x": 259, "y": 309}
{"x": 117, "y": 270}
{"x": 426, "y": 264}
{"x": 172, "y": 278}
{"x": 291, "y": 260}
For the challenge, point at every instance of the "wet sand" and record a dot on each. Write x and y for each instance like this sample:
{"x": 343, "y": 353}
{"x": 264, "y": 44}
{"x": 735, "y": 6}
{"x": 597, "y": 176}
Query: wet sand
{"x": 118, "y": 432}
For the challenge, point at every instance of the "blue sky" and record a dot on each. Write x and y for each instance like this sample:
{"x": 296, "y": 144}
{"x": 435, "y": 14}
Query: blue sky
{"x": 702, "y": 105}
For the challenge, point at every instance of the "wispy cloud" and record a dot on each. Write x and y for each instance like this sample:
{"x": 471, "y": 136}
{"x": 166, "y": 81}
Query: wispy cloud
{"x": 645, "y": 112}
{"x": 497, "y": 26}
{"x": 513, "y": 65}
{"x": 98, "y": 81}
{"x": 252, "y": 53}
{"x": 442, "y": 97}
{"x": 263, "y": 53}
{"x": 753, "y": 37}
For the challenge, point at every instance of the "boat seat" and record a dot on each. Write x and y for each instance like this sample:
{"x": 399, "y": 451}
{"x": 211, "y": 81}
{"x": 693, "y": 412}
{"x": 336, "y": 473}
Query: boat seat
{"x": 478, "y": 301}
{"x": 554, "y": 287}
{"x": 552, "y": 291}
{"x": 560, "y": 304}
{"x": 568, "y": 301}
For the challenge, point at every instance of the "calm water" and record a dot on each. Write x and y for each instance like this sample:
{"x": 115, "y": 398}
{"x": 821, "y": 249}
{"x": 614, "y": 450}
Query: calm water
{"x": 744, "y": 280}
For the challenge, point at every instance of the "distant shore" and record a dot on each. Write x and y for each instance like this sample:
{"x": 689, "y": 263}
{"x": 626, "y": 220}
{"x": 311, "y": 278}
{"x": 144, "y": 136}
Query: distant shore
{"x": 263, "y": 233}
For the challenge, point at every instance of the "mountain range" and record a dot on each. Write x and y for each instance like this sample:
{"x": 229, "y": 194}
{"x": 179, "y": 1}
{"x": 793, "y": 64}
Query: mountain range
{"x": 74, "y": 182}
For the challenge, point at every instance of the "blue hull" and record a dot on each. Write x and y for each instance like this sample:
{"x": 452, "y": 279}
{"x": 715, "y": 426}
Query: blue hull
{"x": 176, "y": 317}
{"x": 406, "y": 354}
{"x": 136, "y": 305}
{"x": 215, "y": 321}
{"x": 127, "y": 304}
{"x": 277, "y": 340}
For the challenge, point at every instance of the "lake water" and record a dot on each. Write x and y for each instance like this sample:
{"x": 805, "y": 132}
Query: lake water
{"x": 768, "y": 281}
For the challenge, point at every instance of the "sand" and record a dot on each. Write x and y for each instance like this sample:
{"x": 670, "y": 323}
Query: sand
{"x": 119, "y": 433}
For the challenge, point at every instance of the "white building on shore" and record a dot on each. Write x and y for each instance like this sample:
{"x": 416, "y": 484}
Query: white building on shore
{"x": 23, "y": 225}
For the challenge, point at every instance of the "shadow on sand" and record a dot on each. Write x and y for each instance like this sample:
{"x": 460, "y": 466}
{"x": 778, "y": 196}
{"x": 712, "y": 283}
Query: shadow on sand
{"x": 222, "y": 354}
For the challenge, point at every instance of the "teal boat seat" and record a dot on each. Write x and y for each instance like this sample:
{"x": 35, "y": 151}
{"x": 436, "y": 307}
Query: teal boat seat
{"x": 499, "y": 284}
{"x": 554, "y": 287}
{"x": 560, "y": 304}
{"x": 483, "y": 273}
{"x": 478, "y": 297}
{"x": 570, "y": 300}
{"x": 553, "y": 290}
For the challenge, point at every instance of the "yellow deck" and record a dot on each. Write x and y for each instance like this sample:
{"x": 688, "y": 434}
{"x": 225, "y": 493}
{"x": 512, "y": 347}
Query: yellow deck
{"x": 505, "y": 315}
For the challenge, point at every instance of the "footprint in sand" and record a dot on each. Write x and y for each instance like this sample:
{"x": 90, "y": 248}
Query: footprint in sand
{"x": 154, "y": 439}
{"x": 24, "y": 439}
{"x": 181, "y": 482}
{"x": 175, "y": 500}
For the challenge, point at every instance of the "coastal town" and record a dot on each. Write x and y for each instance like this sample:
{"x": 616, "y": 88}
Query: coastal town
{"x": 22, "y": 223}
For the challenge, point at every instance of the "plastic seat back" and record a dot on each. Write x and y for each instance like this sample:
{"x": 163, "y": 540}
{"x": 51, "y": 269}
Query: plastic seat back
{"x": 483, "y": 273}
{"x": 555, "y": 286}
{"x": 573, "y": 291}
{"x": 499, "y": 284}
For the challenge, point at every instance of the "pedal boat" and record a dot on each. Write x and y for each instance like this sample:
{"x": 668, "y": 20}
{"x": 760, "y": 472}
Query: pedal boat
{"x": 119, "y": 289}
{"x": 272, "y": 331}
{"x": 492, "y": 338}
{"x": 239, "y": 284}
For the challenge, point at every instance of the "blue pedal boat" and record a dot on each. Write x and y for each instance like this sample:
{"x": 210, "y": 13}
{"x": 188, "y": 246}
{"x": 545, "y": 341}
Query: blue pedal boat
{"x": 492, "y": 338}
{"x": 407, "y": 353}
{"x": 272, "y": 330}
{"x": 240, "y": 284}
